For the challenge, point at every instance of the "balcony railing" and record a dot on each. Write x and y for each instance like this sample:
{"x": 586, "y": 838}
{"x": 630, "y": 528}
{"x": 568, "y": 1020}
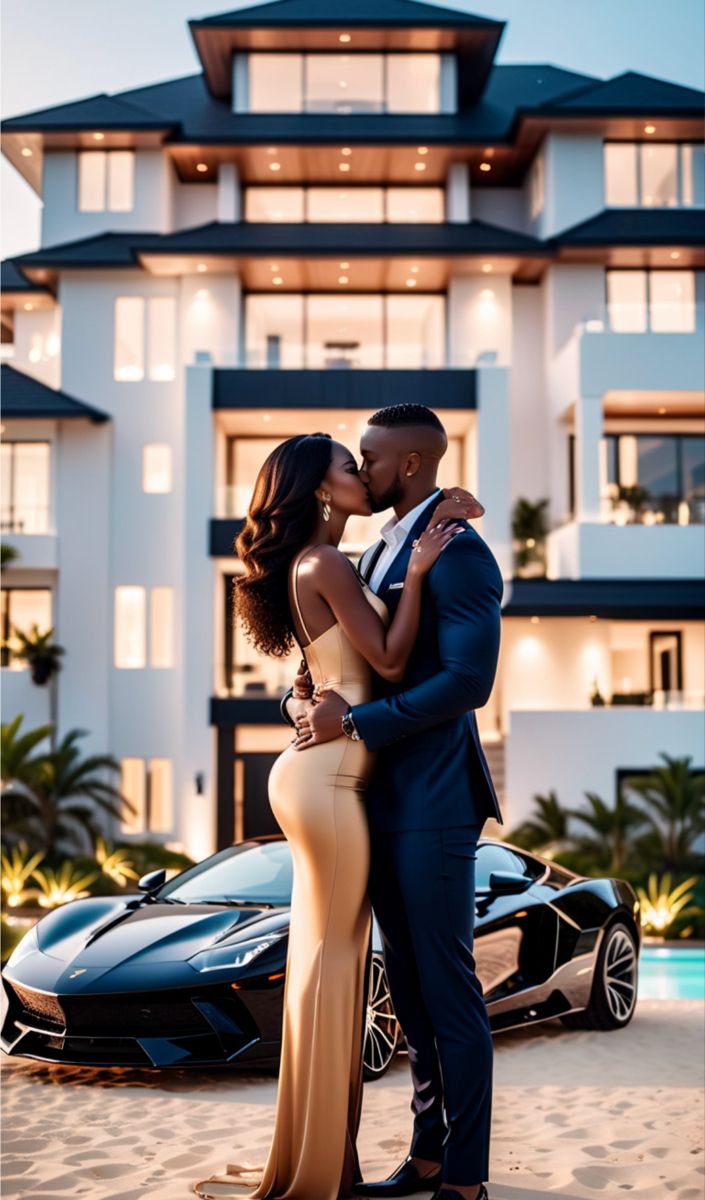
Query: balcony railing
{"x": 26, "y": 518}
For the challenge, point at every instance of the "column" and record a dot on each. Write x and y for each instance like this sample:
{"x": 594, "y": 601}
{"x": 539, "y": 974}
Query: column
{"x": 492, "y": 459}
{"x": 229, "y": 208}
{"x": 588, "y": 432}
{"x": 458, "y": 194}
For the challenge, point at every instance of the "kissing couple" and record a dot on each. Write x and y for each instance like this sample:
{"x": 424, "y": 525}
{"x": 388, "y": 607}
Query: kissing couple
{"x": 382, "y": 796}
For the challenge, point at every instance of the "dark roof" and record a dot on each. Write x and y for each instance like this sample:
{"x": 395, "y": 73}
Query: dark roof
{"x": 366, "y": 13}
{"x": 241, "y": 237}
{"x": 12, "y": 280}
{"x": 24, "y": 396}
{"x": 632, "y": 93}
{"x": 101, "y": 250}
{"x": 625, "y": 599}
{"x": 100, "y": 111}
{"x": 638, "y": 227}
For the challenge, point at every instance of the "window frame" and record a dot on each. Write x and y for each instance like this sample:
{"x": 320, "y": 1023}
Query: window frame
{"x": 638, "y": 144}
{"x": 679, "y": 439}
{"x": 384, "y": 110}
{"x": 24, "y": 441}
{"x": 648, "y": 273}
{"x": 105, "y": 182}
{"x": 6, "y": 591}
{"x": 384, "y": 188}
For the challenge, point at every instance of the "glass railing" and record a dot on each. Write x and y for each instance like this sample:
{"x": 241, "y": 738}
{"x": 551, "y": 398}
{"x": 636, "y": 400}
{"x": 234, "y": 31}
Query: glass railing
{"x": 642, "y": 509}
{"x": 26, "y": 519}
{"x": 637, "y": 318}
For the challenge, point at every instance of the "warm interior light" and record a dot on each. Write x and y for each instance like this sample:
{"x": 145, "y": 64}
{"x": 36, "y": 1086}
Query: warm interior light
{"x": 98, "y": 137}
{"x": 201, "y": 167}
{"x": 535, "y": 620}
{"x": 489, "y": 152}
{"x": 277, "y": 280}
{"x": 28, "y": 307}
{"x": 675, "y": 254}
{"x": 411, "y": 283}
{"x": 342, "y": 425}
{"x": 344, "y": 266}
{"x": 275, "y": 166}
{"x": 201, "y": 268}
{"x": 485, "y": 166}
{"x": 422, "y": 149}
{"x": 266, "y": 416}
{"x": 26, "y": 152}
{"x": 649, "y": 129}
{"x": 414, "y": 270}
{"x": 343, "y": 166}
{"x": 343, "y": 279}
{"x": 662, "y": 412}
{"x": 487, "y": 268}
{"x": 344, "y": 38}
{"x": 346, "y": 151}
{"x": 420, "y": 166}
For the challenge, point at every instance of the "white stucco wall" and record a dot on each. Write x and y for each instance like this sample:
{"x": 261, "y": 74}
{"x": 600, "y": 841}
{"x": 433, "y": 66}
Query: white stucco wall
{"x": 573, "y": 181}
{"x": 62, "y": 221}
{"x": 479, "y": 318}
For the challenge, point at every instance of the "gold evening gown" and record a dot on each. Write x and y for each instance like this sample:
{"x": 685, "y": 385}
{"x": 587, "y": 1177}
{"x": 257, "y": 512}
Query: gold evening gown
{"x": 317, "y": 796}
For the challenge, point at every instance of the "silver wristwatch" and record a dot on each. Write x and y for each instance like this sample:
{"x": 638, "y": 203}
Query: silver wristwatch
{"x": 348, "y": 726}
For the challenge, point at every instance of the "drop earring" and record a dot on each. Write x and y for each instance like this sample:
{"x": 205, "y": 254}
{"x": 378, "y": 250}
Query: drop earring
{"x": 326, "y": 506}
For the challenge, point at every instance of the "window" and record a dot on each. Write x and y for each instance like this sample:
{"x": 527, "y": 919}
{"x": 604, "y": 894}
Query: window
{"x": 344, "y": 83}
{"x": 148, "y": 785}
{"x": 25, "y": 487}
{"x": 364, "y": 205}
{"x": 661, "y": 301}
{"x": 653, "y": 174}
{"x": 106, "y": 180}
{"x": 161, "y": 634}
{"x": 140, "y": 324}
{"x": 345, "y": 332}
{"x": 651, "y": 479}
{"x": 156, "y": 468}
{"x": 129, "y": 627}
{"x": 22, "y": 608}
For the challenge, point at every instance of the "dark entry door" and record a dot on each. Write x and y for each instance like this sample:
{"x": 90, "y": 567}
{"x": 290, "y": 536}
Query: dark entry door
{"x": 258, "y": 818}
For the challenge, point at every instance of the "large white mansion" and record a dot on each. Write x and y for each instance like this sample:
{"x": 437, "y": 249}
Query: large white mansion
{"x": 337, "y": 213}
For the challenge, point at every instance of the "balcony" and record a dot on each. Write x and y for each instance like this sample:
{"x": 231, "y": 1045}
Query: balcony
{"x": 595, "y": 550}
{"x": 640, "y": 362}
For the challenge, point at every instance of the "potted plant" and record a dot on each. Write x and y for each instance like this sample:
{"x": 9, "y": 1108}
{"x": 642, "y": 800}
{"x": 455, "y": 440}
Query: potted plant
{"x": 529, "y": 529}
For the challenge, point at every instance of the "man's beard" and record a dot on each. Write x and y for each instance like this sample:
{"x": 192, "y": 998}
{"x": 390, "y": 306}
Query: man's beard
{"x": 388, "y": 498}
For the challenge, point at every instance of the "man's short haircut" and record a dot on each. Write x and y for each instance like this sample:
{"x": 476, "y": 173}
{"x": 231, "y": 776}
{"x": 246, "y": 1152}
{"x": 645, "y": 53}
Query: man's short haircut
{"x": 396, "y": 415}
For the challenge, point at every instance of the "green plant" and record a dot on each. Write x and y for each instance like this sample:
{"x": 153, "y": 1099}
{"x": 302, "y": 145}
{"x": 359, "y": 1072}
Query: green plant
{"x": 8, "y": 554}
{"x": 39, "y": 652}
{"x": 612, "y": 830}
{"x": 17, "y": 867}
{"x": 547, "y": 830}
{"x": 674, "y": 798}
{"x": 661, "y": 903}
{"x": 114, "y": 863}
{"x": 529, "y": 530}
{"x": 63, "y": 885}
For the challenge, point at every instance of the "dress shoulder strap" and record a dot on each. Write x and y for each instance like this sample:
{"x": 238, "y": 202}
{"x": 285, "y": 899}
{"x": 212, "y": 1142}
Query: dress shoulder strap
{"x": 295, "y": 590}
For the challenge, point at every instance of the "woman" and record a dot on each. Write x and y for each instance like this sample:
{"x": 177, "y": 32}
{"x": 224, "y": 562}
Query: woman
{"x": 299, "y": 587}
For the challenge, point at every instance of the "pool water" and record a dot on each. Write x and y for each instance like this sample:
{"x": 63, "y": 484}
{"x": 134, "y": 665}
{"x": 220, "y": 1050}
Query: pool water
{"x": 672, "y": 973}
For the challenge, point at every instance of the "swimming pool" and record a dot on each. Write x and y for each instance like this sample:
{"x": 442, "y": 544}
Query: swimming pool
{"x": 672, "y": 973}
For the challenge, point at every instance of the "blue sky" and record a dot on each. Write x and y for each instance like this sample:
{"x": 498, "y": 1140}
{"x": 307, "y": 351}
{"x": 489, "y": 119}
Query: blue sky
{"x": 58, "y": 51}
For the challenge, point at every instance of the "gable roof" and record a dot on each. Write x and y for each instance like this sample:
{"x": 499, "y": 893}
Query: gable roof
{"x": 12, "y": 280}
{"x": 24, "y": 396}
{"x": 369, "y": 13}
{"x": 634, "y": 93}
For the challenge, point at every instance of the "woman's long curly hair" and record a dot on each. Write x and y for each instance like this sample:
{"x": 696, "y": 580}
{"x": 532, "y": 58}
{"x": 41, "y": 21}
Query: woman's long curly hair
{"x": 282, "y": 516}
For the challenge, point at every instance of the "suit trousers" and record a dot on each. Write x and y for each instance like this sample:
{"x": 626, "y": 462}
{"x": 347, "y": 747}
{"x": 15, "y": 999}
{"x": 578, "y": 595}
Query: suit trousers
{"x": 422, "y": 887}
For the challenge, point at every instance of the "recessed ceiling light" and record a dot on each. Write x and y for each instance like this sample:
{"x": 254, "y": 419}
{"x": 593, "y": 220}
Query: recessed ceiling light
{"x": 266, "y": 417}
{"x": 414, "y": 270}
{"x": 489, "y": 152}
{"x": 649, "y": 129}
{"x": 662, "y": 412}
{"x": 675, "y": 254}
{"x": 277, "y": 280}
{"x": 342, "y": 425}
{"x": 343, "y": 279}
{"x": 202, "y": 293}
{"x": 485, "y": 166}
{"x": 342, "y": 84}
{"x": 28, "y": 307}
{"x": 420, "y": 166}
{"x": 593, "y": 617}
{"x": 275, "y": 166}
{"x": 344, "y": 266}
{"x": 271, "y": 150}
{"x": 422, "y": 149}
{"x": 201, "y": 167}
{"x": 26, "y": 152}
{"x": 343, "y": 166}
{"x": 98, "y": 137}
{"x": 346, "y": 151}
{"x": 201, "y": 267}
{"x": 487, "y": 294}
{"x": 344, "y": 38}
{"x": 274, "y": 266}
{"x": 535, "y": 620}
{"x": 487, "y": 268}
{"x": 411, "y": 283}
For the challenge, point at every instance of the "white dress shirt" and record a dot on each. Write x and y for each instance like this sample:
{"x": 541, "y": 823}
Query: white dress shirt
{"x": 394, "y": 534}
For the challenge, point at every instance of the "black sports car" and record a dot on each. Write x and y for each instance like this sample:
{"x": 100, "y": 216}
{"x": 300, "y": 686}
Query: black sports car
{"x": 190, "y": 972}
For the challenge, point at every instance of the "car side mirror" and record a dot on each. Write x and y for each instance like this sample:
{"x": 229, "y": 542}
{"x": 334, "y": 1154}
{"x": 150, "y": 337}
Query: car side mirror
{"x": 152, "y": 881}
{"x": 507, "y": 883}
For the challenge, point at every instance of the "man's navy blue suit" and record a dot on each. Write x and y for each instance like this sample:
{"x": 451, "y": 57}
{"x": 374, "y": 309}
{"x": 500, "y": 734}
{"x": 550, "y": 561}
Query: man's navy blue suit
{"x": 428, "y": 798}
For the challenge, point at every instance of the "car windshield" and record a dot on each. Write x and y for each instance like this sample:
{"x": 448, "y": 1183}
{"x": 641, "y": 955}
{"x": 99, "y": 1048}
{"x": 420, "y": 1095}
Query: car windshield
{"x": 252, "y": 872}
{"x": 492, "y": 857}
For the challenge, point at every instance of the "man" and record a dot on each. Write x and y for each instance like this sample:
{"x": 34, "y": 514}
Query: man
{"x": 428, "y": 799}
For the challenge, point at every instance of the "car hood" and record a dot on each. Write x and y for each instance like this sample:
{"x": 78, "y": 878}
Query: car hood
{"x": 149, "y": 934}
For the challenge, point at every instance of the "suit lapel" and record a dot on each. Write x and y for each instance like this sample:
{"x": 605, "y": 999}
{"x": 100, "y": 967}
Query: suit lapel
{"x": 369, "y": 560}
{"x": 397, "y": 569}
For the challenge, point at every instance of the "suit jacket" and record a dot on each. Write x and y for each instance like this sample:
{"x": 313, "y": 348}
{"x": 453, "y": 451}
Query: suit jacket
{"x": 431, "y": 772}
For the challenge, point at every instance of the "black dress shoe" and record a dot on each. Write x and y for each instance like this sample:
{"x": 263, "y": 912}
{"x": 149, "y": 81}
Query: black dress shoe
{"x": 404, "y": 1182}
{"x": 446, "y": 1193}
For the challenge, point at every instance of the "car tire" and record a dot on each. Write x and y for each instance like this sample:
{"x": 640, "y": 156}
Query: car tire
{"x": 614, "y": 983}
{"x": 382, "y": 1033}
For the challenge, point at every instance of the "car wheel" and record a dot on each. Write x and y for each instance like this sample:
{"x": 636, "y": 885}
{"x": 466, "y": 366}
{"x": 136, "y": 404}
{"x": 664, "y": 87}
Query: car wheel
{"x": 614, "y": 984}
{"x": 382, "y": 1032}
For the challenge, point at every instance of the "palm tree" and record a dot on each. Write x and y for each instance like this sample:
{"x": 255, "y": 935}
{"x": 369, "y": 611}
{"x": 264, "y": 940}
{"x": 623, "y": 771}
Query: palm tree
{"x": 547, "y": 830}
{"x": 674, "y": 797}
{"x": 613, "y": 829}
{"x": 21, "y": 773}
{"x": 43, "y": 657}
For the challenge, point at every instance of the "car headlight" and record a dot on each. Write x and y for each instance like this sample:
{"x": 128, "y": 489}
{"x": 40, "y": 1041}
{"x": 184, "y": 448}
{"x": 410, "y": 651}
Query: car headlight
{"x": 234, "y": 957}
{"x": 29, "y": 944}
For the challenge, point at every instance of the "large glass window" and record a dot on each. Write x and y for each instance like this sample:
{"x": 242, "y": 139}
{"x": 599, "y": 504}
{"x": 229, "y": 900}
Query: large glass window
{"x": 344, "y": 205}
{"x": 130, "y": 628}
{"x": 653, "y": 174}
{"x": 22, "y": 608}
{"x": 344, "y": 83}
{"x": 145, "y": 330}
{"x": 662, "y": 301}
{"x": 25, "y": 487}
{"x": 156, "y": 468}
{"x": 345, "y": 332}
{"x": 106, "y": 180}
{"x": 148, "y": 785}
{"x": 652, "y": 478}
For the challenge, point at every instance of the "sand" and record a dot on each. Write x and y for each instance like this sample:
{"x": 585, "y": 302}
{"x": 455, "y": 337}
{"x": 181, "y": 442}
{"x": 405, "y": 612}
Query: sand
{"x": 575, "y": 1115}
